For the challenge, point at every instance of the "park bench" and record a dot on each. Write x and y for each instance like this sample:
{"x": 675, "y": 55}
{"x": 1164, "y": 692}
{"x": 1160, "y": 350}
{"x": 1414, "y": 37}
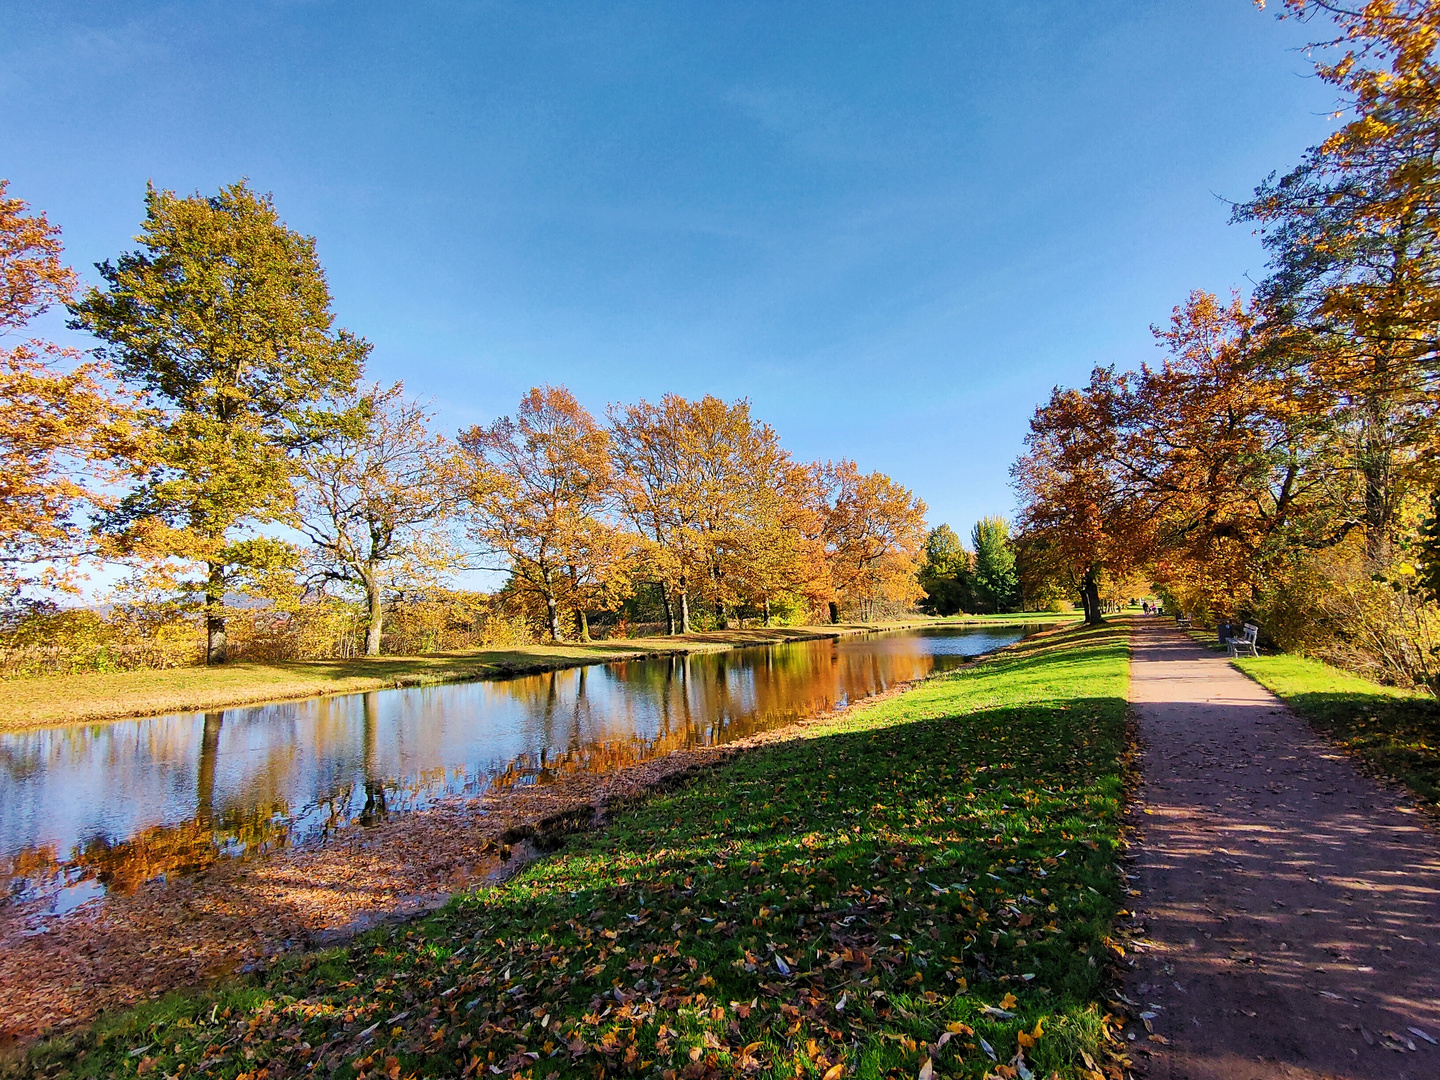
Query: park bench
{"x": 1245, "y": 643}
{"x": 1183, "y": 621}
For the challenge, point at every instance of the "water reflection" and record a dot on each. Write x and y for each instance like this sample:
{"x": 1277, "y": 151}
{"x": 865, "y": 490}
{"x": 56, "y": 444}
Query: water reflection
{"x": 123, "y": 802}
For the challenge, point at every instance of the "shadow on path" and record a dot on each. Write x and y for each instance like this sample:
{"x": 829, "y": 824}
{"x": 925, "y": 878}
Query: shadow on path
{"x": 1292, "y": 904}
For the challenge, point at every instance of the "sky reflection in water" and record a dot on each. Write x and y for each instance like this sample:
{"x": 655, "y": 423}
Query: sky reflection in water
{"x": 120, "y": 802}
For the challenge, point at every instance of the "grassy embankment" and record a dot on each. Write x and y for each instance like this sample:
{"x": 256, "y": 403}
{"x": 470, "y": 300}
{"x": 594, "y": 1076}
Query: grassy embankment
{"x": 927, "y": 878}
{"x": 64, "y": 699}
{"x": 1394, "y": 732}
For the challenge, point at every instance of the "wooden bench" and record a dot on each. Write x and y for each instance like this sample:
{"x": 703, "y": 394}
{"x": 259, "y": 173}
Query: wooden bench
{"x": 1245, "y": 643}
{"x": 1183, "y": 621}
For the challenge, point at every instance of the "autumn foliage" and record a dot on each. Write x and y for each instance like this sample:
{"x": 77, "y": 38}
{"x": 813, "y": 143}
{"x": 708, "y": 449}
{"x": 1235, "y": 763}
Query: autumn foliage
{"x": 221, "y": 419}
{"x": 1279, "y": 464}
{"x": 58, "y": 427}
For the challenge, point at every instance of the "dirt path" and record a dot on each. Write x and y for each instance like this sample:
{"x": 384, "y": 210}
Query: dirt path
{"x": 1292, "y": 904}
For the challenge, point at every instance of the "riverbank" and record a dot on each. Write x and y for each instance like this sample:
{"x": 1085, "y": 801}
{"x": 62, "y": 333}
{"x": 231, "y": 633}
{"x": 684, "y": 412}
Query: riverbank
{"x": 1394, "y": 733}
{"x": 925, "y": 878}
{"x": 49, "y": 700}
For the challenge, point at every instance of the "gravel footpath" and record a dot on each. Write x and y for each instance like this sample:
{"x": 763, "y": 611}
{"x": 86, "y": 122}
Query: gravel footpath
{"x": 1291, "y": 905}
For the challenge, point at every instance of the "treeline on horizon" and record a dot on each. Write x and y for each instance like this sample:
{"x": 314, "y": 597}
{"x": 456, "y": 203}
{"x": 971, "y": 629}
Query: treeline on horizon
{"x": 1279, "y": 465}
{"x": 220, "y": 443}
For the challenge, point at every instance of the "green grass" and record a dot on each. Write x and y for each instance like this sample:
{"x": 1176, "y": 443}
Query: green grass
{"x": 68, "y": 699}
{"x": 1394, "y": 732}
{"x": 847, "y": 899}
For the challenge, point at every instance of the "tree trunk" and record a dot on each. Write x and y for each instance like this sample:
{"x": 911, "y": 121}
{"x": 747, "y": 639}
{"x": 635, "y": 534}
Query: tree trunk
{"x": 834, "y": 613}
{"x": 722, "y": 620}
{"x": 767, "y": 611}
{"x": 374, "y": 618}
{"x": 1090, "y": 599}
{"x": 215, "y": 642}
{"x": 552, "y": 607}
{"x": 669, "y": 608}
{"x": 582, "y": 621}
{"x": 1375, "y": 461}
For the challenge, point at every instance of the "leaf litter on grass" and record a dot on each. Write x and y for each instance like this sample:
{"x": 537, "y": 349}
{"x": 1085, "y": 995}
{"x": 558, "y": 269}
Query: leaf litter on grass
{"x": 924, "y": 883}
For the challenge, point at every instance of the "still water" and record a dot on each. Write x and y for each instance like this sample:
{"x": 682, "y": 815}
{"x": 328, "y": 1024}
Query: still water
{"x": 92, "y": 807}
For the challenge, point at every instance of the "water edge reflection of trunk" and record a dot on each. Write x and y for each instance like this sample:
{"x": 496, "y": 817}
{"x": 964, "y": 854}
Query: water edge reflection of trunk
{"x": 374, "y": 810}
{"x": 205, "y": 771}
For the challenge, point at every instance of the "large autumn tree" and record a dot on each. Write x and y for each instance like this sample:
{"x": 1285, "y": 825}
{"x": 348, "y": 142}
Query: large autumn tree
{"x": 726, "y": 515}
{"x": 375, "y": 487}
{"x": 1076, "y": 522}
{"x": 657, "y": 497}
{"x": 537, "y": 487}
{"x": 1354, "y": 237}
{"x": 222, "y": 318}
{"x": 1204, "y": 468}
{"x": 58, "y": 423}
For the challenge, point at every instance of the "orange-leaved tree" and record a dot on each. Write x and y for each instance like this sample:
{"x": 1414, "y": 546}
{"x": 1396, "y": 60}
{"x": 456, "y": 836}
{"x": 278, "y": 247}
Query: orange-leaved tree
{"x": 1076, "y": 524}
{"x": 537, "y": 489}
{"x": 874, "y": 532}
{"x": 59, "y": 424}
{"x": 781, "y": 538}
{"x": 1354, "y": 237}
{"x": 725, "y": 514}
{"x": 1222, "y": 449}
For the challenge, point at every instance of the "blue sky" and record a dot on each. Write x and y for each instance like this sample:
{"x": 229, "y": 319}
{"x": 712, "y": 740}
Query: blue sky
{"x": 892, "y": 227}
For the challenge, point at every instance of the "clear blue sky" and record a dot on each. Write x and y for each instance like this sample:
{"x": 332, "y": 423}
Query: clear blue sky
{"x": 893, "y": 227}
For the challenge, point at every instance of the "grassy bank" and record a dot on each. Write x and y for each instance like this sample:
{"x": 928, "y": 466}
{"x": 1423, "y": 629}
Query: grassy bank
{"x": 927, "y": 878}
{"x": 1394, "y": 732}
